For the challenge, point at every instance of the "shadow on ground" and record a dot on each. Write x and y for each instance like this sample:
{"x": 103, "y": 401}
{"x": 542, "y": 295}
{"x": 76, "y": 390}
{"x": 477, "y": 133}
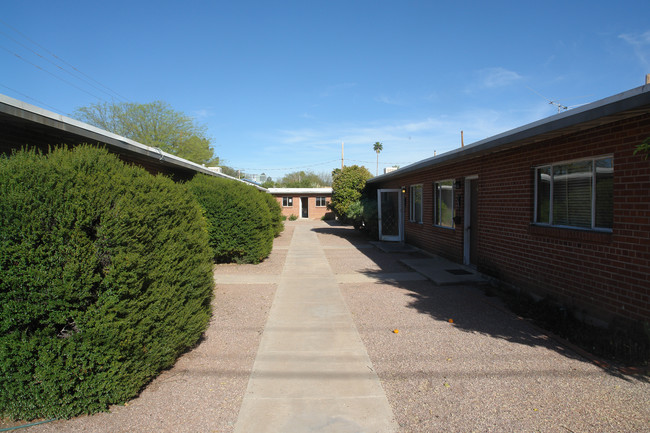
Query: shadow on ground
{"x": 466, "y": 305}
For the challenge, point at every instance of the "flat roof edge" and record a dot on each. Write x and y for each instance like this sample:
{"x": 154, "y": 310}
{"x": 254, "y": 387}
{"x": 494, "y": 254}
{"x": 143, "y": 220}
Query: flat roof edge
{"x": 93, "y": 133}
{"x": 619, "y": 103}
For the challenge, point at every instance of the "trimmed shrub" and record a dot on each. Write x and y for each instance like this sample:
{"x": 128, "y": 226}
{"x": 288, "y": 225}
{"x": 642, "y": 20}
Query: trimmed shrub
{"x": 239, "y": 220}
{"x": 347, "y": 187}
{"x": 105, "y": 278}
{"x": 276, "y": 214}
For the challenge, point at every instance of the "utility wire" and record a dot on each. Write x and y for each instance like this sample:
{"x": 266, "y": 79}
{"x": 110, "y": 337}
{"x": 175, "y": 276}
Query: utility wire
{"x": 382, "y": 162}
{"x": 313, "y": 165}
{"x": 58, "y": 66}
{"x": 119, "y": 96}
{"x": 52, "y": 74}
{"x": 35, "y": 100}
{"x": 286, "y": 168}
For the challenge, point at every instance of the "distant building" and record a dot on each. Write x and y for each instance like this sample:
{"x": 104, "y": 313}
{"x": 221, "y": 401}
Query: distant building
{"x": 308, "y": 203}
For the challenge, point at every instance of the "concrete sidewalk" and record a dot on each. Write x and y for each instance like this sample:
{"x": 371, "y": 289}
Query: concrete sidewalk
{"x": 312, "y": 372}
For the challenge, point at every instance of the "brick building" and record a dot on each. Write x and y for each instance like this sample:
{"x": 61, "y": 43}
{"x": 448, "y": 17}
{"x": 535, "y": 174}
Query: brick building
{"x": 558, "y": 207}
{"x": 308, "y": 203}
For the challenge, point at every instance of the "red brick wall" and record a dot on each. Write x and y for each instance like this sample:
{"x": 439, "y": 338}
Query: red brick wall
{"x": 604, "y": 274}
{"x": 315, "y": 213}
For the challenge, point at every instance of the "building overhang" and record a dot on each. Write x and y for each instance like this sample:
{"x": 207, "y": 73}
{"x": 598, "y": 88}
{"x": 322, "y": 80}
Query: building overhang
{"x": 27, "y": 126}
{"x": 631, "y": 103}
{"x": 300, "y": 191}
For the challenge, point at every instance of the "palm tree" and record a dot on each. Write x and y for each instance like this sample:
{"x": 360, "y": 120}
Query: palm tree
{"x": 377, "y": 147}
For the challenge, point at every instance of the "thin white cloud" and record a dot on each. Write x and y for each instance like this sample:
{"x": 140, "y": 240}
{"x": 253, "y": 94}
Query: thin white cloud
{"x": 491, "y": 78}
{"x": 641, "y": 45}
{"x": 405, "y": 141}
{"x": 202, "y": 113}
{"x": 390, "y": 100}
{"x": 328, "y": 91}
{"x": 498, "y": 77}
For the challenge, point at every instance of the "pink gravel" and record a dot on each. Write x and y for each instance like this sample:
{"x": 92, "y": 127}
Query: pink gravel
{"x": 488, "y": 371}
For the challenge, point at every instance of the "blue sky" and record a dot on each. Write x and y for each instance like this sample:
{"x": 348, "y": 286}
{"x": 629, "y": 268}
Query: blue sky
{"x": 280, "y": 84}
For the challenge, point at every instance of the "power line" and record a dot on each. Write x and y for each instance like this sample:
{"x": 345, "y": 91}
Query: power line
{"x": 52, "y": 74}
{"x": 312, "y": 165}
{"x": 56, "y": 65}
{"x": 383, "y": 162}
{"x": 286, "y": 168}
{"x": 35, "y": 100}
{"x": 119, "y": 96}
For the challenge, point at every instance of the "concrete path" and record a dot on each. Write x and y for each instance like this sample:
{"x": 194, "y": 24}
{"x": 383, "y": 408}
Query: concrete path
{"x": 312, "y": 372}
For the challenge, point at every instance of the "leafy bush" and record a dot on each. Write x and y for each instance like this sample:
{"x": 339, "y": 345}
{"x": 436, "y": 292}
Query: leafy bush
{"x": 293, "y": 217}
{"x": 643, "y": 148}
{"x": 105, "y": 278}
{"x": 239, "y": 220}
{"x": 363, "y": 214}
{"x": 276, "y": 214}
{"x": 347, "y": 187}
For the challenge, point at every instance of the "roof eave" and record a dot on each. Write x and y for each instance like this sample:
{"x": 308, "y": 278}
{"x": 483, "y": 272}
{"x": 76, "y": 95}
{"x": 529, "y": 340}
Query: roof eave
{"x": 626, "y": 104}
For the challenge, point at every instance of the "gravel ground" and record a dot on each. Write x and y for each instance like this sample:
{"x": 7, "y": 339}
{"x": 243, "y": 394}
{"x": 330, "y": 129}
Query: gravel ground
{"x": 488, "y": 371}
{"x": 205, "y": 388}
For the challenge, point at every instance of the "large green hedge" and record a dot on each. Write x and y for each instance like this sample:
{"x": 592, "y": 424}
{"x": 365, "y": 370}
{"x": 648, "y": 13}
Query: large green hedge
{"x": 277, "y": 222}
{"x": 105, "y": 278}
{"x": 239, "y": 219}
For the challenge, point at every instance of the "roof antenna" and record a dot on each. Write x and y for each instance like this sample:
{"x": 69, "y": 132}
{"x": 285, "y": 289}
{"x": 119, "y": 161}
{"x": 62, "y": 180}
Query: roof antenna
{"x": 559, "y": 106}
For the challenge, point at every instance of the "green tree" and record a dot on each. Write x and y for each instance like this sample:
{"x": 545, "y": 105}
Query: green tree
{"x": 225, "y": 169}
{"x": 347, "y": 186}
{"x": 155, "y": 124}
{"x": 302, "y": 179}
{"x": 377, "y": 147}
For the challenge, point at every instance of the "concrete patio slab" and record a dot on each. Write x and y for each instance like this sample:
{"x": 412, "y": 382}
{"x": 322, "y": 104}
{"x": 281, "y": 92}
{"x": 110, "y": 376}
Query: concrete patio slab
{"x": 444, "y": 272}
{"x": 395, "y": 247}
{"x": 374, "y": 277}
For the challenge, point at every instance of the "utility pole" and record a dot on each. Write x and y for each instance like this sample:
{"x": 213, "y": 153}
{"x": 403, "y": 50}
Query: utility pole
{"x": 341, "y": 155}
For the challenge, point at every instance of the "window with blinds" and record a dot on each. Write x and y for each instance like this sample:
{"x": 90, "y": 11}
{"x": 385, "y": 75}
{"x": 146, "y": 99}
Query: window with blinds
{"x": 575, "y": 194}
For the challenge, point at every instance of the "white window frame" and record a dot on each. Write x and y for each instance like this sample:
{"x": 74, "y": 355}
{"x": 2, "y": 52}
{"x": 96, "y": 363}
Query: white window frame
{"x": 594, "y": 169}
{"x": 414, "y": 215}
{"x": 287, "y": 201}
{"x": 322, "y": 200}
{"x": 437, "y": 200}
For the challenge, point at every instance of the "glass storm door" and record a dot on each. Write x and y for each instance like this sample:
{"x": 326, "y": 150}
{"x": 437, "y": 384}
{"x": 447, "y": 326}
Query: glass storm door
{"x": 389, "y": 210}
